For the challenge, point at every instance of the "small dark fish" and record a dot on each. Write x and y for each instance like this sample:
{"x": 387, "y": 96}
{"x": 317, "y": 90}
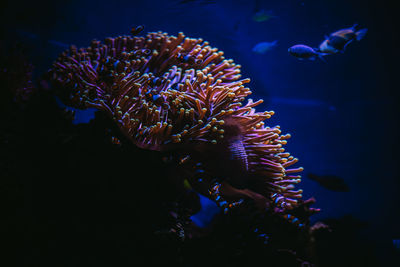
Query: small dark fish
{"x": 137, "y": 30}
{"x": 333, "y": 45}
{"x": 301, "y": 52}
{"x": 350, "y": 34}
{"x": 263, "y": 47}
{"x": 339, "y": 40}
{"x": 338, "y": 43}
{"x": 331, "y": 182}
{"x": 326, "y": 48}
{"x": 263, "y": 15}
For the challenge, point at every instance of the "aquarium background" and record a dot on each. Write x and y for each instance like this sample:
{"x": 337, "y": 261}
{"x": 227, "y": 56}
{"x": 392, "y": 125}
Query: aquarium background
{"x": 342, "y": 113}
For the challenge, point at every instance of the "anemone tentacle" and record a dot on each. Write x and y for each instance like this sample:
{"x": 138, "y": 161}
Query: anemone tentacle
{"x": 163, "y": 90}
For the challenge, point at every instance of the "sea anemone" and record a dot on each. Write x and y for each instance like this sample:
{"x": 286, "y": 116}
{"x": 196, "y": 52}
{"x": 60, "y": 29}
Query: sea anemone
{"x": 173, "y": 92}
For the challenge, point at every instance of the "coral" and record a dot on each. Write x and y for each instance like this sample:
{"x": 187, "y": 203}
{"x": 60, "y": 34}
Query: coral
{"x": 174, "y": 93}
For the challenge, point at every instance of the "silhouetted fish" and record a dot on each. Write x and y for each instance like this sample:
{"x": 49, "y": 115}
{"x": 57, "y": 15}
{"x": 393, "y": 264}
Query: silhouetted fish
{"x": 325, "y": 47}
{"x": 263, "y": 15}
{"x": 263, "y": 47}
{"x": 330, "y": 182}
{"x": 350, "y": 34}
{"x": 301, "y": 52}
{"x": 339, "y": 40}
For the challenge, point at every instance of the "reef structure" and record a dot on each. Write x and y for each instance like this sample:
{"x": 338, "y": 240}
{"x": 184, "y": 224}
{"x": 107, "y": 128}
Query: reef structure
{"x": 169, "y": 92}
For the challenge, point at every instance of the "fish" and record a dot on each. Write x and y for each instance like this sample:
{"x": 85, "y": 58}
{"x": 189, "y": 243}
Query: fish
{"x": 350, "y": 34}
{"x": 330, "y": 182}
{"x": 339, "y": 40}
{"x": 263, "y": 47}
{"x": 302, "y": 52}
{"x": 263, "y": 15}
{"x": 326, "y": 48}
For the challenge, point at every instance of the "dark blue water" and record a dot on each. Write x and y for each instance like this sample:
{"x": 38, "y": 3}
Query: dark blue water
{"x": 342, "y": 113}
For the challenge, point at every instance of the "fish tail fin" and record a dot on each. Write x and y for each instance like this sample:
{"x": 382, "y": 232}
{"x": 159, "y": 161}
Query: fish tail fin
{"x": 361, "y": 33}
